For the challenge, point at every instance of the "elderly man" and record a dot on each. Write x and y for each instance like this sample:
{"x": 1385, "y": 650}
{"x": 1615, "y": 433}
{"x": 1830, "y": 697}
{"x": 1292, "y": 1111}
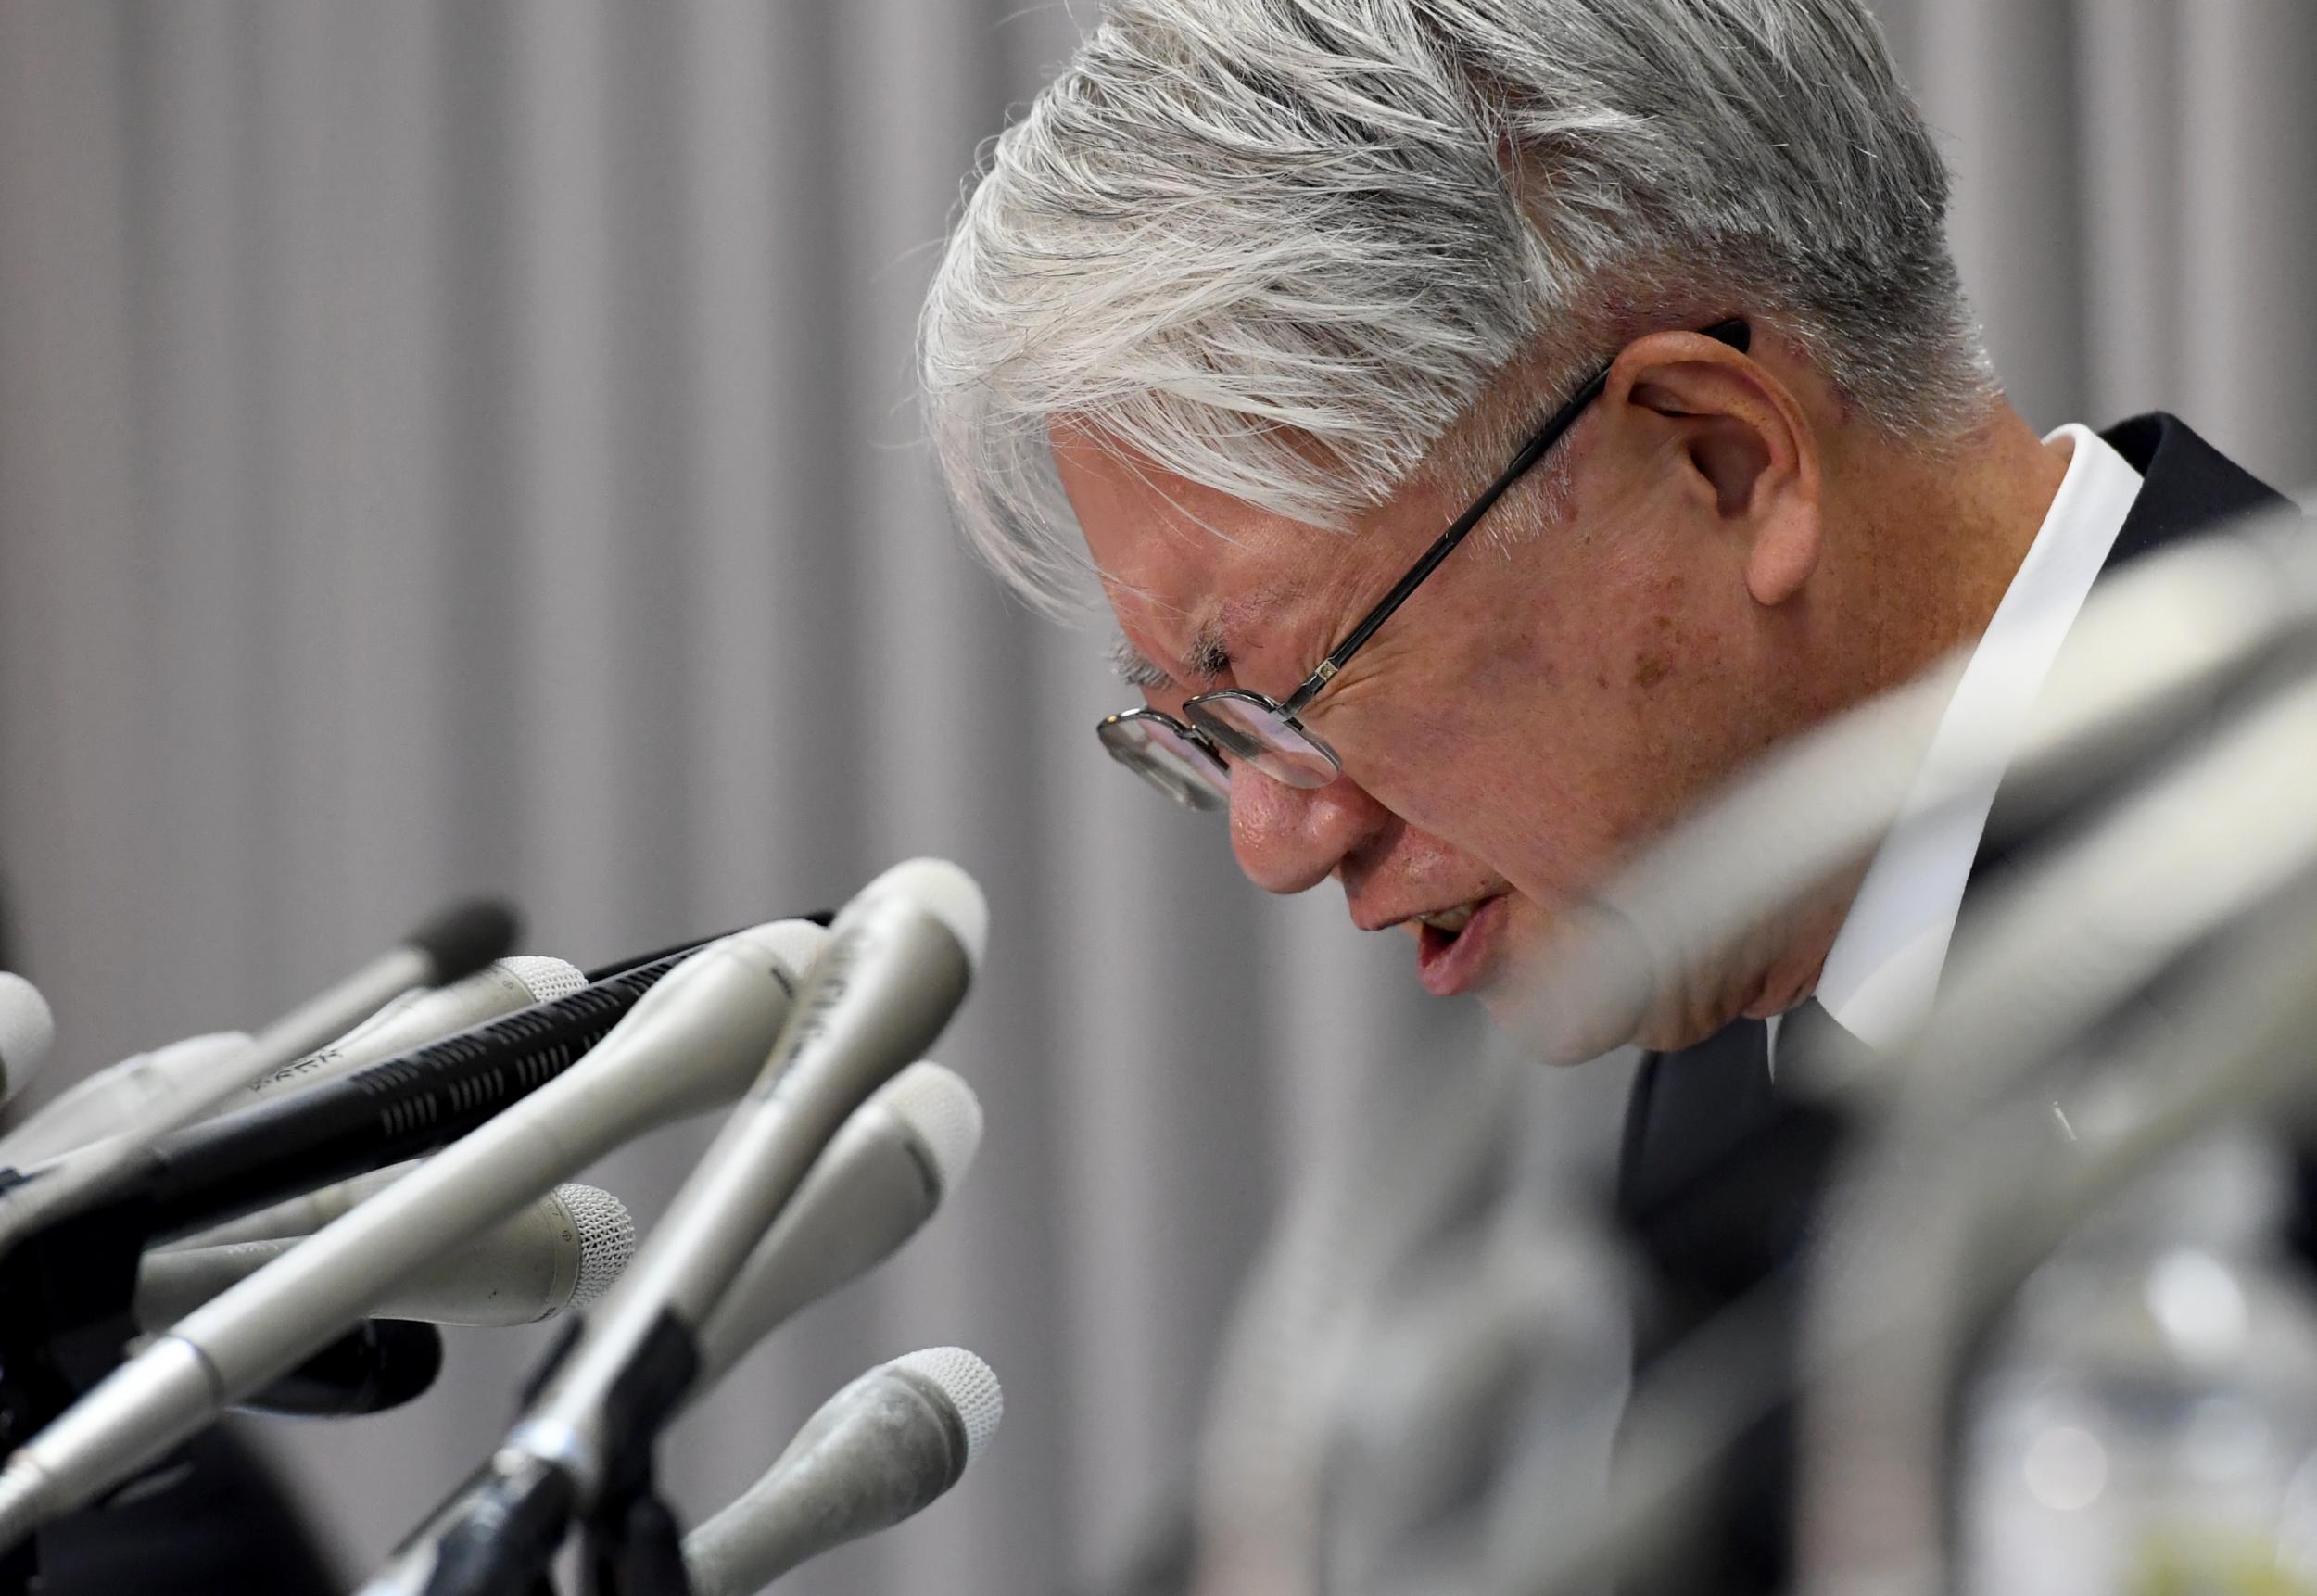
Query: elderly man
{"x": 1648, "y": 303}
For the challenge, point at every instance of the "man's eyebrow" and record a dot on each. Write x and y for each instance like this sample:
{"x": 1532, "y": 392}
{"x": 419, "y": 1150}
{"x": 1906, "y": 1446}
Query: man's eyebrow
{"x": 1210, "y": 657}
{"x": 1136, "y": 668}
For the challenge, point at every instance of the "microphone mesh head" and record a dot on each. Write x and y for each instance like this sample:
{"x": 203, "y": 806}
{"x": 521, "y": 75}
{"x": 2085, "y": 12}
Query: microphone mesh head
{"x": 607, "y": 1239}
{"x": 944, "y": 1115}
{"x": 26, "y": 1030}
{"x": 545, "y": 979}
{"x": 968, "y": 1384}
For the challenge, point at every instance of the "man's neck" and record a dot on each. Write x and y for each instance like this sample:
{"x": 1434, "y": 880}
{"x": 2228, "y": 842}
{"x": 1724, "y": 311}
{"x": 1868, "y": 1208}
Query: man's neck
{"x": 1941, "y": 540}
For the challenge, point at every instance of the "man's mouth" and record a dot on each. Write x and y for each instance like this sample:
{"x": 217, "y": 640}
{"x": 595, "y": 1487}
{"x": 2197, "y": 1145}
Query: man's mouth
{"x": 1453, "y": 945}
{"x": 1448, "y": 922}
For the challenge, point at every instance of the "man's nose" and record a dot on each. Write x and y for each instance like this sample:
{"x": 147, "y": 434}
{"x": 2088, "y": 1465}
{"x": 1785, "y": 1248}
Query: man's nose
{"x": 1291, "y": 838}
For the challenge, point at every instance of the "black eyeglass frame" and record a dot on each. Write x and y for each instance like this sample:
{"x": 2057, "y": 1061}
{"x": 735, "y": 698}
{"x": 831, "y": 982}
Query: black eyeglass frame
{"x": 1734, "y": 331}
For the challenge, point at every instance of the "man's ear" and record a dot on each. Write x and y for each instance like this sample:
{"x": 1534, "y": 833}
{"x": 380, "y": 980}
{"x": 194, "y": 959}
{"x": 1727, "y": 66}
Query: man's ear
{"x": 1752, "y": 456}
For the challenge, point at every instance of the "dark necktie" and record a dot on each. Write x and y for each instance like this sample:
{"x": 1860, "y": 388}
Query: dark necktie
{"x": 1717, "y": 1189}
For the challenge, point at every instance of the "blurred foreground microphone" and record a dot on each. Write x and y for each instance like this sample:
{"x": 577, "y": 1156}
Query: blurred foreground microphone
{"x": 878, "y": 1451}
{"x": 380, "y": 1363}
{"x": 557, "y": 1256}
{"x": 897, "y": 1160}
{"x": 695, "y": 1040}
{"x": 27, "y": 1028}
{"x": 900, "y": 957}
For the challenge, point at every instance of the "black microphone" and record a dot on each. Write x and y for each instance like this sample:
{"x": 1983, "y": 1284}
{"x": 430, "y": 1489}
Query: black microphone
{"x": 402, "y": 1109}
{"x": 380, "y": 1363}
{"x": 449, "y": 947}
{"x": 621, "y": 967}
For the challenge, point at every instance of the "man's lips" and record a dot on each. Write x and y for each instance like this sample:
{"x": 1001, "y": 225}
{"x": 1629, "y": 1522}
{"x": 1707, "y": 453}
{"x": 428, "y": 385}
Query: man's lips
{"x": 1455, "y": 948}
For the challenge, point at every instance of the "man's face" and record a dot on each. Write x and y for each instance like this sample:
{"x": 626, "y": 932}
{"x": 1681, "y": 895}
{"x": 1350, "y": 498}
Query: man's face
{"x": 1550, "y": 699}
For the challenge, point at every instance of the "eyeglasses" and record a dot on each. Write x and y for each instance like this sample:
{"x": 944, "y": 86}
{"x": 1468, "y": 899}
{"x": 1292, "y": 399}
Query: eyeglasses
{"x": 1186, "y": 761}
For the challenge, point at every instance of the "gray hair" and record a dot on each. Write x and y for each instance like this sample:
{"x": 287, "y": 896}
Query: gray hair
{"x": 1281, "y": 247}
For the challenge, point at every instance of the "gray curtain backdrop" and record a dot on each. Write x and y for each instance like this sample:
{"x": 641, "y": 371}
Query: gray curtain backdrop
{"x": 454, "y": 446}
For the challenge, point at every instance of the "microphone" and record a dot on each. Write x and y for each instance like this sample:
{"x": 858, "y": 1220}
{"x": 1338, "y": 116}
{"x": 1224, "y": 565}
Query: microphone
{"x": 97, "y": 1105}
{"x": 27, "y": 1028}
{"x": 556, "y": 1256}
{"x": 94, "y": 1108}
{"x": 449, "y": 947}
{"x": 622, "y": 966}
{"x": 389, "y": 1112}
{"x": 697, "y": 1037}
{"x": 877, "y": 1452}
{"x": 899, "y": 958}
{"x": 877, "y": 1182}
{"x": 895, "y": 1161}
{"x": 420, "y": 1017}
{"x": 301, "y": 1215}
{"x": 380, "y": 1363}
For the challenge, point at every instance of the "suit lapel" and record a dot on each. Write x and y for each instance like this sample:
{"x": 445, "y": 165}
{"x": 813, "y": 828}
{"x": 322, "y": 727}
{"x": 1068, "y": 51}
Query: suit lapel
{"x": 2186, "y": 486}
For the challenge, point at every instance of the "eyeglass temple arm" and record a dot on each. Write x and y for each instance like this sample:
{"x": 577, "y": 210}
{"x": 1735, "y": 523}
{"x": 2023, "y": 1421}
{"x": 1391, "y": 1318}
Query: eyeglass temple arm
{"x": 1734, "y": 331}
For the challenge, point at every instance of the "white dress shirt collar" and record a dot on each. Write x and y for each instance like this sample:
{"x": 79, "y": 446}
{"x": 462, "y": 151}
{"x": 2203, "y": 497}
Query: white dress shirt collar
{"x": 1883, "y": 969}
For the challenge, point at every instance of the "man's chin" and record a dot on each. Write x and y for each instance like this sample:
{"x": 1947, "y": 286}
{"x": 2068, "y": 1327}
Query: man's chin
{"x": 1582, "y": 993}
{"x": 1590, "y": 987}
{"x": 1563, "y": 1040}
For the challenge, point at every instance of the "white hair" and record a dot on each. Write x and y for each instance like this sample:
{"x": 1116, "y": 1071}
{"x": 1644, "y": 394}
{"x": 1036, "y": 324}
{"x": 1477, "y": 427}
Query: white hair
{"x": 1281, "y": 247}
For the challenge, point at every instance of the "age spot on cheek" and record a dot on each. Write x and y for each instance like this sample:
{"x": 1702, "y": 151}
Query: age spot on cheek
{"x": 1650, "y": 669}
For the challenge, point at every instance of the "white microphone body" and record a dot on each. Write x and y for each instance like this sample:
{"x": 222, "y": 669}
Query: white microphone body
{"x": 298, "y": 1216}
{"x": 105, "y": 1102}
{"x": 27, "y": 1029}
{"x": 897, "y": 964}
{"x": 693, "y": 1042}
{"x": 878, "y": 1451}
{"x": 418, "y": 1018}
{"x": 99, "y": 1105}
{"x": 883, "y": 1175}
{"x": 556, "y": 1256}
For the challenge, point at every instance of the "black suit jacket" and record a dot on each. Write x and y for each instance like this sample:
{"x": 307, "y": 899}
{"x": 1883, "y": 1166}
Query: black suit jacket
{"x": 1720, "y": 1174}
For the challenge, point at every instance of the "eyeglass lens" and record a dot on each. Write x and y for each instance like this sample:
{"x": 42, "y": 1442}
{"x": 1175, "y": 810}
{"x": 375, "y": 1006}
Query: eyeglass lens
{"x": 1245, "y": 727}
{"x": 1152, "y": 748}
